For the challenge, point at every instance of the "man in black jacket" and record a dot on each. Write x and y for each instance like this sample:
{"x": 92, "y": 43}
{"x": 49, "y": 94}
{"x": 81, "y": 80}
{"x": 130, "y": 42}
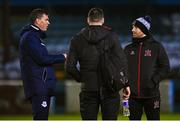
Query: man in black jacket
{"x": 148, "y": 65}
{"x": 83, "y": 49}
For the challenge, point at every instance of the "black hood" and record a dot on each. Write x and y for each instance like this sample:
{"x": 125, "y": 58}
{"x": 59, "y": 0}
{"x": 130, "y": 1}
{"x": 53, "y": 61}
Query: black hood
{"x": 34, "y": 28}
{"x": 94, "y": 33}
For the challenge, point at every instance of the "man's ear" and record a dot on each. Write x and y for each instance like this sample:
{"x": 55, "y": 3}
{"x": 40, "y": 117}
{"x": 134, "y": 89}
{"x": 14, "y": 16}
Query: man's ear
{"x": 102, "y": 20}
{"x": 36, "y": 21}
{"x": 88, "y": 20}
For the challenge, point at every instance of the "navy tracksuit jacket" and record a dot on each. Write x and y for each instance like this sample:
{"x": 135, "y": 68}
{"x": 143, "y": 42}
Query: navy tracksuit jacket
{"x": 36, "y": 64}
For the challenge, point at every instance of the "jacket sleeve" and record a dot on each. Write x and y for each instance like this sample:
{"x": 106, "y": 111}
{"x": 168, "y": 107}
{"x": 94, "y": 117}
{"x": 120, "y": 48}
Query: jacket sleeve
{"x": 163, "y": 67}
{"x": 39, "y": 53}
{"x": 121, "y": 55}
{"x": 71, "y": 62}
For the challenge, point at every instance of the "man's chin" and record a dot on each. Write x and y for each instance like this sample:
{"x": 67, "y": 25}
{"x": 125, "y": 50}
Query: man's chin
{"x": 44, "y": 30}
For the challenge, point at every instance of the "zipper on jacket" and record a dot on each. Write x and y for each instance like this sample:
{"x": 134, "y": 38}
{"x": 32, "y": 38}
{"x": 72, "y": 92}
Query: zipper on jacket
{"x": 139, "y": 69}
{"x": 44, "y": 75}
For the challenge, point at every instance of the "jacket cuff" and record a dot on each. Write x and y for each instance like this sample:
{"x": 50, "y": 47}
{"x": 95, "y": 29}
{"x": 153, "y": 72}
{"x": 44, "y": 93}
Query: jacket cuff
{"x": 78, "y": 78}
{"x": 127, "y": 84}
{"x": 156, "y": 79}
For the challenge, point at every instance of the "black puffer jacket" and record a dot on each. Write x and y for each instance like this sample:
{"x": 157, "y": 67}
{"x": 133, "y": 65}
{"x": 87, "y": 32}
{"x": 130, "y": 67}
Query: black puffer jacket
{"x": 83, "y": 50}
{"x": 148, "y": 65}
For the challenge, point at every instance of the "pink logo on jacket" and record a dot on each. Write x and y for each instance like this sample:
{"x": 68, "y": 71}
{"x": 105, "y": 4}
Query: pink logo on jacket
{"x": 147, "y": 52}
{"x": 132, "y": 53}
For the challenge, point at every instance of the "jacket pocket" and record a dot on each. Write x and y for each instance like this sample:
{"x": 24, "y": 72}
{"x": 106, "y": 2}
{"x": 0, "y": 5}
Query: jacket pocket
{"x": 44, "y": 75}
{"x": 148, "y": 82}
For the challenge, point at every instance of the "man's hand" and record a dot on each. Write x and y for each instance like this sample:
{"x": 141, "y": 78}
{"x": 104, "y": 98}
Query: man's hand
{"x": 65, "y": 55}
{"x": 126, "y": 93}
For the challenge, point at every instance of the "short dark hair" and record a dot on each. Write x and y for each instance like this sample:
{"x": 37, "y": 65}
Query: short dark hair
{"x": 37, "y": 13}
{"x": 95, "y": 14}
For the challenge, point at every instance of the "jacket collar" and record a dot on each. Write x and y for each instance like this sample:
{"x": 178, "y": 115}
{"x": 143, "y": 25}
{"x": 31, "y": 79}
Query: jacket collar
{"x": 139, "y": 40}
{"x": 41, "y": 33}
{"x": 35, "y": 27}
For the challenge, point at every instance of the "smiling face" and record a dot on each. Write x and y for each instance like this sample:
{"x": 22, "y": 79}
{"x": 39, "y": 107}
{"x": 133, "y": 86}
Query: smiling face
{"x": 136, "y": 32}
{"x": 42, "y": 22}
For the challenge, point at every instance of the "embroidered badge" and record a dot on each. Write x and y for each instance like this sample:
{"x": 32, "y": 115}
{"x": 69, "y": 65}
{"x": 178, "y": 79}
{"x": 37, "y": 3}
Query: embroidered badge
{"x": 147, "y": 53}
{"x": 132, "y": 53}
{"x": 156, "y": 104}
{"x": 44, "y": 104}
{"x": 43, "y": 44}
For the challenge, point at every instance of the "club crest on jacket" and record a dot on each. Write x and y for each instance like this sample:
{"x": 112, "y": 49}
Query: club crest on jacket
{"x": 132, "y": 53}
{"x": 147, "y": 52}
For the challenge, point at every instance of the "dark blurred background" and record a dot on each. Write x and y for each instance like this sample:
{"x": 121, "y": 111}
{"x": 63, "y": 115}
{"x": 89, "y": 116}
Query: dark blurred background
{"x": 67, "y": 17}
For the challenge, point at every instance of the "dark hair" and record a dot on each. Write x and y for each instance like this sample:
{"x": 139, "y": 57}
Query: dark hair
{"x": 37, "y": 13}
{"x": 95, "y": 14}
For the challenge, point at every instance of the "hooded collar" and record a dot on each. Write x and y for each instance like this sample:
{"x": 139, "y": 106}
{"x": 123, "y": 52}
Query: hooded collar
{"x": 35, "y": 27}
{"x": 32, "y": 27}
{"x": 93, "y": 34}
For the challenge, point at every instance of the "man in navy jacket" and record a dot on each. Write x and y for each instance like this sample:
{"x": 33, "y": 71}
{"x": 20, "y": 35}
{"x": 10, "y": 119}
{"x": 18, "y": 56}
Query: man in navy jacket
{"x": 36, "y": 64}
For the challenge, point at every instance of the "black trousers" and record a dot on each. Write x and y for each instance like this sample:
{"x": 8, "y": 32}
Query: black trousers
{"x": 151, "y": 108}
{"x": 91, "y": 101}
{"x": 40, "y": 107}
